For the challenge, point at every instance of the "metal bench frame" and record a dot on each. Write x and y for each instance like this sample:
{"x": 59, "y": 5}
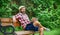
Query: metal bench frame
{"x": 6, "y": 27}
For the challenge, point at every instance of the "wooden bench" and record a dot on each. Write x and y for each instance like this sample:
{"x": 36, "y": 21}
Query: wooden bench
{"x": 6, "y": 23}
{"x": 13, "y": 22}
{"x": 24, "y": 32}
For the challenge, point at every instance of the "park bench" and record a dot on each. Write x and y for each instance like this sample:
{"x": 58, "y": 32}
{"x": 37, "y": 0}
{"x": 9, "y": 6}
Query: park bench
{"x": 11, "y": 22}
{"x": 6, "y": 23}
{"x": 24, "y": 32}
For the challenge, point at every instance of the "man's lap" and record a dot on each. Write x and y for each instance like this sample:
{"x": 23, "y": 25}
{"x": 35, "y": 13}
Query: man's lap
{"x": 31, "y": 27}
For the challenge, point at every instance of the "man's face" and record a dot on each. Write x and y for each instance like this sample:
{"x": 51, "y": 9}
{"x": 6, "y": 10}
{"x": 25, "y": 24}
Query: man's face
{"x": 23, "y": 10}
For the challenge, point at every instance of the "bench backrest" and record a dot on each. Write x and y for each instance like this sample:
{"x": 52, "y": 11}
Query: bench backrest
{"x": 8, "y": 21}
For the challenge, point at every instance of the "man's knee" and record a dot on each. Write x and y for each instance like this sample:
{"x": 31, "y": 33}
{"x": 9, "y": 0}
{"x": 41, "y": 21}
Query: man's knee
{"x": 41, "y": 29}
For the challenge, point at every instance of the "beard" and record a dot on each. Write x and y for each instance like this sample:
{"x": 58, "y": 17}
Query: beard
{"x": 23, "y": 12}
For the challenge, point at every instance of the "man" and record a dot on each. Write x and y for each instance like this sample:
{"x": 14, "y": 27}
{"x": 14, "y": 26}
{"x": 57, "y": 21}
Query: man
{"x": 24, "y": 20}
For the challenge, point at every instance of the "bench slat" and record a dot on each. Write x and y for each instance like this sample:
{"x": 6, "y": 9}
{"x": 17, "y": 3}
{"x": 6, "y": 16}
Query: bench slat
{"x": 6, "y": 20}
{"x": 6, "y": 24}
{"x": 24, "y": 32}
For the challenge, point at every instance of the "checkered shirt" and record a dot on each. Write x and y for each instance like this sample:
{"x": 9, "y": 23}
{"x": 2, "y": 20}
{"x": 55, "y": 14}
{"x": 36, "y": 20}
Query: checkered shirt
{"x": 23, "y": 19}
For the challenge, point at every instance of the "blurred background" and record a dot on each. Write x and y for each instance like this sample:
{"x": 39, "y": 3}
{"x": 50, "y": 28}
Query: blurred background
{"x": 47, "y": 11}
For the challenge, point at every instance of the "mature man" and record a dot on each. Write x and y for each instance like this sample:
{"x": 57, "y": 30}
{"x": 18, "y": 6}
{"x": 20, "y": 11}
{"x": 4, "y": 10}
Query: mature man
{"x": 24, "y": 19}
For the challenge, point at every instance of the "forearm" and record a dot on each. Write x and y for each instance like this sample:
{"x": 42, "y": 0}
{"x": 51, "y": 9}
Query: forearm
{"x": 40, "y": 25}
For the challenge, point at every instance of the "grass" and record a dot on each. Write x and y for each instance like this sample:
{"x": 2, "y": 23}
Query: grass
{"x": 52, "y": 32}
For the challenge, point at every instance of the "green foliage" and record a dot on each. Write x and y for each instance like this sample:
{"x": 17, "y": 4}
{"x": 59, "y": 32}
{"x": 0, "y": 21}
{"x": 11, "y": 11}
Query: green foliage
{"x": 18, "y": 28}
{"x": 6, "y": 8}
{"x": 47, "y": 11}
{"x": 49, "y": 19}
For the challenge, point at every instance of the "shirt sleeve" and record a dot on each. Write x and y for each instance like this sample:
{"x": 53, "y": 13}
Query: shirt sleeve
{"x": 28, "y": 19}
{"x": 19, "y": 17}
{"x": 21, "y": 20}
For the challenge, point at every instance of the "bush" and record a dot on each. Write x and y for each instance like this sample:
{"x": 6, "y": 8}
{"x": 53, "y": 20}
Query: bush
{"x": 47, "y": 11}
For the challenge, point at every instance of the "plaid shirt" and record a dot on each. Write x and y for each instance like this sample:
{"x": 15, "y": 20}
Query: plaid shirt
{"x": 23, "y": 18}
